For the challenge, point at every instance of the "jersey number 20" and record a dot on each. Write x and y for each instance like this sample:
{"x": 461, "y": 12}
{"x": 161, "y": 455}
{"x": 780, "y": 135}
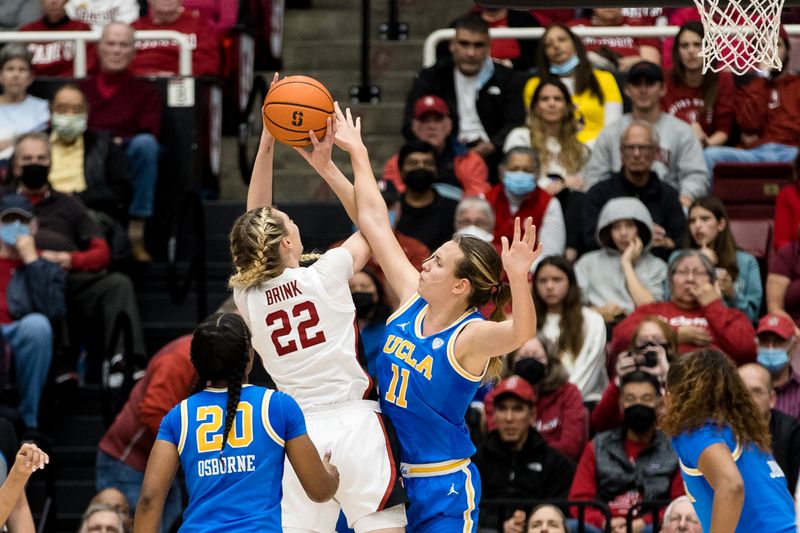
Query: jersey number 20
{"x": 306, "y": 311}
{"x": 209, "y": 434}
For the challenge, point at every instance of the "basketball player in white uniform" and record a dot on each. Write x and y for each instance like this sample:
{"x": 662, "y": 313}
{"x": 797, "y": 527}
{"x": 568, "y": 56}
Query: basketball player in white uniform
{"x": 303, "y": 326}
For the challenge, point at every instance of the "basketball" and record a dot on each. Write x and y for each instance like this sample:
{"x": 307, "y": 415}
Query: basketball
{"x": 295, "y": 105}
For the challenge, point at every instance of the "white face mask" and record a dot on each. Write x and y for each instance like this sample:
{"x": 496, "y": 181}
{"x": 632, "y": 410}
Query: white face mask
{"x": 475, "y": 231}
{"x": 68, "y": 127}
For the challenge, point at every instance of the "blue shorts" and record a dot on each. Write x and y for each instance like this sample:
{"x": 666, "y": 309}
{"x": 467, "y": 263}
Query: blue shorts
{"x": 445, "y": 503}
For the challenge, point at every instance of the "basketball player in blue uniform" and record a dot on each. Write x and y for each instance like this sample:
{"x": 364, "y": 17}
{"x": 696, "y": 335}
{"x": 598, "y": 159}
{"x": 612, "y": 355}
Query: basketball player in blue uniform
{"x": 230, "y": 439}
{"x": 723, "y": 445}
{"x": 439, "y": 347}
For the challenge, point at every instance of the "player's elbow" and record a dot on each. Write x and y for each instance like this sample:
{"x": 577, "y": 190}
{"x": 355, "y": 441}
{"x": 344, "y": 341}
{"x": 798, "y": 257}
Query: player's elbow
{"x": 731, "y": 490}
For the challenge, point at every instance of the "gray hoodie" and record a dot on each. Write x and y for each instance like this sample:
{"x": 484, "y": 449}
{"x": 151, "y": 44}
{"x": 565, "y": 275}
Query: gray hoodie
{"x": 600, "y": 273}
{"x": 679, "y": 162}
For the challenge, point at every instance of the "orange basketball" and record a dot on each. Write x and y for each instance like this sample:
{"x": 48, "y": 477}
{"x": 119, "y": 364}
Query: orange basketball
{"x": 295, "y": 105}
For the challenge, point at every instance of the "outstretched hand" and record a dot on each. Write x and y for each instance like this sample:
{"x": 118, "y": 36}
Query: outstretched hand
{"x": 320, "y": 155}
{"x": 519, "y": 255}
{"x": 266, "y": 135}
{"x": 348, "y": 130}
{"x": 30, "y": 459}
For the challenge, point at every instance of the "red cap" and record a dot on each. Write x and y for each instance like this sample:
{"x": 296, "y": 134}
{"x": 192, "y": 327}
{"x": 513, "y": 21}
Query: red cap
{"x": 518, "y": 387}
{"x": 430, "y": 104}
{"x": 778, "y": 324}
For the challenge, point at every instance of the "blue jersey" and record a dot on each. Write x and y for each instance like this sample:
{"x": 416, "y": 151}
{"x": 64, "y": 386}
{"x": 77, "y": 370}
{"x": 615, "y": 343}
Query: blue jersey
{"x": 767, "y": 506}
{"x": 423, "y": 389}
{"x": 240, "y": 489}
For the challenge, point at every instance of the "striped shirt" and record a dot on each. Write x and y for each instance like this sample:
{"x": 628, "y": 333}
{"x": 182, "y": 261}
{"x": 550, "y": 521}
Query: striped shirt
{"x": 789, "y": 397}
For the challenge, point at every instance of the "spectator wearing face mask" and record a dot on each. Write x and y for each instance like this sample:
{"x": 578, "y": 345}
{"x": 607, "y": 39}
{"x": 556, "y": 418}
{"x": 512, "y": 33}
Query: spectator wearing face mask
{"x": 519, "y": 195}
{"x": 32, "y": 292}
{"x": 425, "y": 214}
{"x": 474, "y": 216}
{"x": 371, "y": 314}
{"x": 86, "y": 163}
{"x": 777, "y": 347}
{"x": 633, "y": 464}
{"x": 459, "y": 172}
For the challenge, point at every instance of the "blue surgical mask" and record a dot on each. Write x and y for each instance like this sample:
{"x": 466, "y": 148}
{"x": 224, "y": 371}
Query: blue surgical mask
{"x": 566, "y": 67}
{"x": 9, "y": 233}
{"x": 518, "y": 182}
{"x": 773, "y": 359}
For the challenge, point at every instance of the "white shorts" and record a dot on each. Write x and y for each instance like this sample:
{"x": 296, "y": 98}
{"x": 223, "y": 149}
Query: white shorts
{"x": 369, "y": 479}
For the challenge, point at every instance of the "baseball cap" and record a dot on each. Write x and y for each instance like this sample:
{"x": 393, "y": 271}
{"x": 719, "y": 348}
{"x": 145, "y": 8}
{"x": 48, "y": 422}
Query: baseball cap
{"x": 17, "y": 205}
{"x": 518, "y": 387}
{"x": 646, "y": 70}
{"x": 430, "y": 104}
{"x": 778, "y": 324}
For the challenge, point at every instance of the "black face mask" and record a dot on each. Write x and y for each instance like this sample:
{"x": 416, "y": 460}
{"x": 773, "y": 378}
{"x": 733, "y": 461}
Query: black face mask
{"x": 419, "y": 180}
{"x": 530, "y": 370}
{"x": 34, "y": 176}
{"x": 364, "y": 303}
{"x": 640, "y": 418}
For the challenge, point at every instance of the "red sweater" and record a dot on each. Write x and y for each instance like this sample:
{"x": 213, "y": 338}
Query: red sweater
{"x": 160, "y": 56}
{"x": 787, "y": 216}
{"x": 770, "y": 109}
{"x": 730, "y": 329}
{"x": 686, "y": 103}
{"x": 606, "y": 415}
{"x": 167, "y": 381}
{"x": 622, "y": 45}
{"x": 533, "y": 206}
{"x": 55, "y": 59}
{"x": 584, "y": 485}
{"x": 122, "y": 104}
{"x": 560, "y": 418}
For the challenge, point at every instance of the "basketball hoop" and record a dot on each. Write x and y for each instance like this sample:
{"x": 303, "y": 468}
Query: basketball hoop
{"x": 740, "y": 35}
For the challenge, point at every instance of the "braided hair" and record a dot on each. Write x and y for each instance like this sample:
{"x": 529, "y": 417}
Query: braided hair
{"x": 255, "y": 247}
{"x": 220, "y": 350}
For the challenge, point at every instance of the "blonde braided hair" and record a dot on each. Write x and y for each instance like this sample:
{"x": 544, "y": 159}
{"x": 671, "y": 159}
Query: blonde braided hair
{"x": 255, "y": 247}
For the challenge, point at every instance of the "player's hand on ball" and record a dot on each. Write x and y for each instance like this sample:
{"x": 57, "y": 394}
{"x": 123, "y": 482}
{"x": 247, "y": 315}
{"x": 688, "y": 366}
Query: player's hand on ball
{"x": 320, "y": 155}
{"x": 348, "y": 130}
{"x": 519, "y": 255}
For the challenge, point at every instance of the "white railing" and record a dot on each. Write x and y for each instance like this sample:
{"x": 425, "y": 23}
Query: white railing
{"x": 429, "y": 48}
{"x": 80, "y": 38}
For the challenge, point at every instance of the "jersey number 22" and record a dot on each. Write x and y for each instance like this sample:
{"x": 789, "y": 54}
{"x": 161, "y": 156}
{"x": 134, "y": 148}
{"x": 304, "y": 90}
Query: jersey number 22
{"x": 307, "y": 312}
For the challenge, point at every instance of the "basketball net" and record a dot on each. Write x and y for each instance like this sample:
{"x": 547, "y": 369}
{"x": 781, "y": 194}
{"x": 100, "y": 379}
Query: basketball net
{"x": 740, "y": 35}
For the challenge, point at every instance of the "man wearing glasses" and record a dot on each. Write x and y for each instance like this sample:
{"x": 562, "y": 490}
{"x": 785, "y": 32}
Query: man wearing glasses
{"x": 639, "y": 146}
{"x": 679, "y": 159}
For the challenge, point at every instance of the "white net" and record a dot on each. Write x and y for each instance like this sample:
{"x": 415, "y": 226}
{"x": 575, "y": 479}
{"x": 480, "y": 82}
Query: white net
{"x": 741, "y": 35}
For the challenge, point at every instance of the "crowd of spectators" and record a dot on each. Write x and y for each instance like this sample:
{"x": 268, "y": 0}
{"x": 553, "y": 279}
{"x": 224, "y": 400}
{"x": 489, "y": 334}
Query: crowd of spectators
{"x": 640, "y": 265}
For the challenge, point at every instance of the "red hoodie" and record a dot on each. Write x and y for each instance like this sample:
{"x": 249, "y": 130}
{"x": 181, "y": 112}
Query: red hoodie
{"x": 159, "y": 56}
{"x": 56, "y": 58}
{"x": 770, "y": 109}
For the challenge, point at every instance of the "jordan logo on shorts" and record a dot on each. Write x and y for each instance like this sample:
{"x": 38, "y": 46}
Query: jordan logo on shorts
{"x": 452, "y": 489}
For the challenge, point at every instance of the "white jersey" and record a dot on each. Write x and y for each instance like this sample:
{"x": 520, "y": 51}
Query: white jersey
{"x": 303, "y": 326}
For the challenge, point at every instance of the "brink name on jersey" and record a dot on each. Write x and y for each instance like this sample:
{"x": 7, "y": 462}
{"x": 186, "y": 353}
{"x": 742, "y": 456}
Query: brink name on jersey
{"x": 282, "y": 292}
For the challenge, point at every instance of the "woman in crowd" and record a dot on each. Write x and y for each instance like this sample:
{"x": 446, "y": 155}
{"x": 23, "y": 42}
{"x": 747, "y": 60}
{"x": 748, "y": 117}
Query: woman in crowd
{"x": 371, "y": 314}
{"x": 704, "y": 100}
{"x": 579, "y": 332}
{"x": 544, "y": 518}
{"x": 618, "y": 52}
{"x": 737, "y": 271}
{"x": 653, "y": 346}
{"x": 595, "y": 93}
{"x": 560, "y": 413}
{"x": 724, "y": 448}
{"x": 622, "y": 274}
{"x": 19, "y": 112}
{"x": 695, "y": 311}
{"x": 519, "y": 196}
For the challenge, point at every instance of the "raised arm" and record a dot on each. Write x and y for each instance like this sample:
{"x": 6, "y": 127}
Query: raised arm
{"x": 259, "y": 193}
{"x": 483, "y": 340}
{"x": 373, "y": 217}
{"x": 29, "y": 459}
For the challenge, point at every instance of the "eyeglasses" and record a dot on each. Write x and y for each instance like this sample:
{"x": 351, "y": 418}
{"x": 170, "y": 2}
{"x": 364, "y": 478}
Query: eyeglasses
{"x": 643, "y": 148}
{"x": 699, "y": 274}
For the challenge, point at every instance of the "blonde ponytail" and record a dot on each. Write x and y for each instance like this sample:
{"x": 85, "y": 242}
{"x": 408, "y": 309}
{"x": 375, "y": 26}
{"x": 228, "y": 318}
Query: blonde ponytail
{"x": 255, "y": 247}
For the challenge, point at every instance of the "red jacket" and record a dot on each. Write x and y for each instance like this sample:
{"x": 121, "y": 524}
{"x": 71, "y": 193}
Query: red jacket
{"x": 730, "y": 329}
{"x": 787, "y": 216}
{"x": 770, "y": 109}
{"x": 561, "y": 419}
{"x": 470, "y": 170}
{"x": 621, "y": 45}
{"x": 686, "y": 103}
{"x": 122, "y": 104}
{"x": 606, "y": 414}
{"x": 584, "y": 485}
{"x": 159, "y": 56}
{"x": 167, "y": 381}
{"x": 533, "y": 206}
{"x": 56, "y": 58}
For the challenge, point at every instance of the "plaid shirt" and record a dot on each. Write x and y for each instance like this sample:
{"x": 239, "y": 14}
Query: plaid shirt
{"x": 789, "y": 397}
